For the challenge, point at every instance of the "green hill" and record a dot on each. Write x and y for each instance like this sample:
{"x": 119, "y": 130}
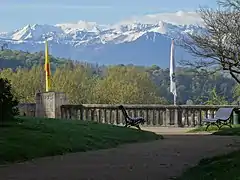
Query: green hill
{"x": 13, "y": 59}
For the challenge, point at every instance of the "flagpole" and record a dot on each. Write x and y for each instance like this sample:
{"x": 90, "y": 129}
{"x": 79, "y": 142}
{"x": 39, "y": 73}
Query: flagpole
{"x": 173, "y": 88}
{"x": 47, "y": 67}
{"x": 174, "y": 100}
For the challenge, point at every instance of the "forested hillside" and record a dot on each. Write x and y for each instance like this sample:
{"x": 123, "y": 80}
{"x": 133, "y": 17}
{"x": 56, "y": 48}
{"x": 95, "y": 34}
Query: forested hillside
{"x": 14, "y": 59}
{"x": 90, "y": 83}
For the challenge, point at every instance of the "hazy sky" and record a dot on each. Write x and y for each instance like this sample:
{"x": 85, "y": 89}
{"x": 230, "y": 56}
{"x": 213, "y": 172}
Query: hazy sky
{"x": 18, "y": 13}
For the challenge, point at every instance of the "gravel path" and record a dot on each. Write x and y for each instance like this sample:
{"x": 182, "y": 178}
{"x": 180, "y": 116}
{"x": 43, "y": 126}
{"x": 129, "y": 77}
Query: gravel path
{"x": 162, "y": 159}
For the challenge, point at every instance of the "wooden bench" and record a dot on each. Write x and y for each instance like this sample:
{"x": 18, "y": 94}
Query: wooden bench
{"x": 130, "y": 121}
{"x": 222, "y": 118}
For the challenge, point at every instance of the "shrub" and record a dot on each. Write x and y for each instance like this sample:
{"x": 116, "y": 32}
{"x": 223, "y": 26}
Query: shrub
{"x": 8, "y": 103}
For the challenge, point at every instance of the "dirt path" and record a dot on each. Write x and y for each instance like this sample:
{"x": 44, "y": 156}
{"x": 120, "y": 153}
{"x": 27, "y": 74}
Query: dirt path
{"x": 156, "y": 160}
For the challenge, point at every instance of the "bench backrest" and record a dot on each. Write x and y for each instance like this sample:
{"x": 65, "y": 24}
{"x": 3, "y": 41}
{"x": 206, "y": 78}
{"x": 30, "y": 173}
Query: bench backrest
{"x": 126, "y": 117}
{"x": 224, "y": 113}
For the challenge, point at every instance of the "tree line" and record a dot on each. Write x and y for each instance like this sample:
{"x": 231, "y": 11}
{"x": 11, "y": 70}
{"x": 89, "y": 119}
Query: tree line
{"x": 117, "y": 85}
{"x": 122, "y": 84}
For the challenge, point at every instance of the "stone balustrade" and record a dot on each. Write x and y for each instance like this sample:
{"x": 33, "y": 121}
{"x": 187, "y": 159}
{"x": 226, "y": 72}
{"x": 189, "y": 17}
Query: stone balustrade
{"x": 54, "y": 105}
{"x": 154, "y": 114}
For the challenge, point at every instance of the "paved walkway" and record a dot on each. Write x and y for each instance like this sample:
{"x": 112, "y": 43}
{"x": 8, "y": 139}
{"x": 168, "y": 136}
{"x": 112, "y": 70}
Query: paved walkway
{"x": 162, "y": 159}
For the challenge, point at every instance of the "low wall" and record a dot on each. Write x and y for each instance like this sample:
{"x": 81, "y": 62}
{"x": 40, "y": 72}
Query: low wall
{"x": 154, "y": 114}
{"x": 48, "y": 105}
{"x": 27, "y": 109}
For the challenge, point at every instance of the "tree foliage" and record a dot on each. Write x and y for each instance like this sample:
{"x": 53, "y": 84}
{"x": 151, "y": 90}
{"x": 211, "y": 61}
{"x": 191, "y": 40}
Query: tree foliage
{"x": 215, "y": 99}
{"x": 123, "y": 84}
{"x": 8, "y": 102}
{"x": 218, "y": 43}
{"x": 92, "y": 83}
{"x": 77, "y": 82}
{"x": 119, "y": 84}
{"x": 14, "y": 59}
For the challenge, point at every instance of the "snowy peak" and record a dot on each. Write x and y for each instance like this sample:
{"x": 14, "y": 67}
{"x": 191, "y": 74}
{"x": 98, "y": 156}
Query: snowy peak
{"x": 139, "y": 40}
{"x": 83, "y": 32}
{"x": 35, "y": 32}
{"x": 81, "y": 26}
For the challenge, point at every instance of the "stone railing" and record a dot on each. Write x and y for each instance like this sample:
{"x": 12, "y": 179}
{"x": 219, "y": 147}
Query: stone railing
{"x": 27, "y": 109}
{"x": 155, "y": 115}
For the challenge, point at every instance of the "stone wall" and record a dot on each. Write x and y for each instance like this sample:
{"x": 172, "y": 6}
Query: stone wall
{"x": 154, "y": 114}
{"x": 55, "y": 105}
{"x": 27, "y": 109}
{"x": 48, "y": 104}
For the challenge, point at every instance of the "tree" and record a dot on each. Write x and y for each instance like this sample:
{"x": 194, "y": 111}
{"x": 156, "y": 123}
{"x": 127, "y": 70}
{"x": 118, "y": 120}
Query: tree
{"x": 89, "y": 83}
{"x": 25, "y": 83}
{"x": 218, "y": 43}
{"x": 8, "y": 102}
{"x": 127, "y": 85}
{"x": 76, "y": 81}
{"x": 14, "y": 59}
{"x": 215, "y": 99}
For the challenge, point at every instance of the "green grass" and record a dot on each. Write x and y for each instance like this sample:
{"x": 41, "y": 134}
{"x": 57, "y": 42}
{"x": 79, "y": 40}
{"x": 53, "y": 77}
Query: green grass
{"x": 229, "y": 131}
{"x": 217, "y": 168}
{"x": 220, "y": 167}
{"x": 213, "y": 129}
{"x": 46, "y": 137}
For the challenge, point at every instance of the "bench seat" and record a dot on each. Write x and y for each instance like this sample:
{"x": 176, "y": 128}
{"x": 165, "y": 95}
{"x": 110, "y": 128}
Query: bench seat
{"x": 222, "y": 118}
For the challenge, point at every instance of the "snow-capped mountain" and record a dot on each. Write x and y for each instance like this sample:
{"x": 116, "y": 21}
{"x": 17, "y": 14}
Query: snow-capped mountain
{"x": 138, "y": 40}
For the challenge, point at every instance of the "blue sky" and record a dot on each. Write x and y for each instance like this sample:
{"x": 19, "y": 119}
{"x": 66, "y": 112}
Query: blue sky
{"x": 17, "y": 13}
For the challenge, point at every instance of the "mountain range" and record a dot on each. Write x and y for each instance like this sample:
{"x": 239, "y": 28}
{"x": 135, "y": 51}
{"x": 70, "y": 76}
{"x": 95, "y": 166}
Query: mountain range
{"x": 141, "y": 40}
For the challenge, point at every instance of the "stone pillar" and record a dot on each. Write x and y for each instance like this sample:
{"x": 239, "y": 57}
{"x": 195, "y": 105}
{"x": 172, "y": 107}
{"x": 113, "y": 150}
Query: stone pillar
{"x": 176, "y": 120}
{"x": 48, "y": 104}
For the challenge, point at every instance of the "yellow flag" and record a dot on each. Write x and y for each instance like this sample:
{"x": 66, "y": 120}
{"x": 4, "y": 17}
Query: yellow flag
{"x": 47, "y": 67}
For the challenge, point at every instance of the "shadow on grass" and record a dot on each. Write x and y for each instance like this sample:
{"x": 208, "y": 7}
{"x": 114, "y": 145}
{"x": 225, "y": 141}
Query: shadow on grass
{"x": 33, "y": 138}
{"x": 28, "y": 138}
{"x": 228, "y": 132}
{"x": 219, "y": 168}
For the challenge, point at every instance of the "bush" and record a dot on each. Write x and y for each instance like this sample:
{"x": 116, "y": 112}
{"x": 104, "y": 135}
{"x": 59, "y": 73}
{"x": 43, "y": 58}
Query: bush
{"x": 8, "y": 103}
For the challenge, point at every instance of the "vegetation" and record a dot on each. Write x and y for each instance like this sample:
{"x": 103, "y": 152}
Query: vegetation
{"x": 14, "y": 59}
{"x": 218, "y": 43}
{"x": 7, "y": 101}
{"x": 91, "y": 83}
{"x": 202, "y": 129}
{"x": 219, "y": 168}
{"x": 30, "y": 138}
{"x": 214, "y": 99}
{"x": 223, "y": 131}
{"x": 229, "y": 131}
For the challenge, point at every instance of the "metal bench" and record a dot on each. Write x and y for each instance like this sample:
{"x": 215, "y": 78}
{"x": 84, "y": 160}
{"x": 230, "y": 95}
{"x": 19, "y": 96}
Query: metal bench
{"x": 130, "y": 121}
{"x": 222, "y": 118}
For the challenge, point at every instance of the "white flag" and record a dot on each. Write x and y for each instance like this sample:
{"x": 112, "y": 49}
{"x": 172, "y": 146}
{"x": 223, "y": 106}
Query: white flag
{"x": 172, "y": 71}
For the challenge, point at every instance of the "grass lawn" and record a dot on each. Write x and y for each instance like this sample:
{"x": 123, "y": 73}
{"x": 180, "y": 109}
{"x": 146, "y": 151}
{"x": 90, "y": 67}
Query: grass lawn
{"x": 224, "y": 129}
{"x": 229, "y": 131}
{"x": 220, "y": 167}
{"x": 217, "y": 168}
{"x": 35, "y": 137}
